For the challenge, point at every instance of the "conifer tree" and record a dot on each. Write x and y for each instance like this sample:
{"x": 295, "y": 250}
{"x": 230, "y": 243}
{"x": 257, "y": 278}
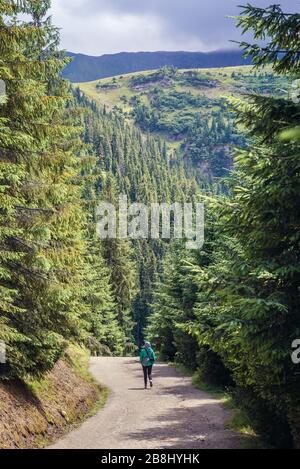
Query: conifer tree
{"x": 247, "y": 302}
{"x": 41, "y": 240}
{"x": 103, "y": 335}
{"x": 118, "y": 255}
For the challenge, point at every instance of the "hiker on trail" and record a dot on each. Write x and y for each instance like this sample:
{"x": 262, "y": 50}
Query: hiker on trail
{"x": 147, "y": 358}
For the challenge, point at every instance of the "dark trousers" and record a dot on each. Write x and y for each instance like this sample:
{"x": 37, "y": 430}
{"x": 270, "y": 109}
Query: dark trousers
{"x": 147, "y": 373}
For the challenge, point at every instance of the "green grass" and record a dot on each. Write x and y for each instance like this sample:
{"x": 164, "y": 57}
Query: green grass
{"x": 43, "y": 442}
{"x": 228, "y": 85}
{"x": 111, "y": 98}
{"x": 78, "y": 358}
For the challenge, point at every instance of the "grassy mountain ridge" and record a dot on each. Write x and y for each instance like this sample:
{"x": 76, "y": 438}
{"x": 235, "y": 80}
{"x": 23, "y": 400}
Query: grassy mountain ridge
{"x": 87, "y": 68}
{"x": 187, "y": 108}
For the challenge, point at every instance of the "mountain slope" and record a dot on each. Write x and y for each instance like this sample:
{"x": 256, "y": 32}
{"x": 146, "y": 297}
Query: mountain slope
{"x": 87, "y": 68}
{"x": 188, "y": 109}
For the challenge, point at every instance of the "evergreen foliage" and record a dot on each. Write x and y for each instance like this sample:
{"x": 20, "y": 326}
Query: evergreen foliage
{"x": 229, "y": 311}
{"x": 41, "y": 239}
{"x": 245, "y": 308}
{"x": 140, "y": 168}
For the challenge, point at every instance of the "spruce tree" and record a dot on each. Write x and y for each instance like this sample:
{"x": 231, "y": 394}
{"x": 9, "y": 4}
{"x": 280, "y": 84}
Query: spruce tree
{"x": 250, "y": 313}
{"x": 41, "y": 240}
{"x": 118, "y": 255}
{"x": 247, "y": 302}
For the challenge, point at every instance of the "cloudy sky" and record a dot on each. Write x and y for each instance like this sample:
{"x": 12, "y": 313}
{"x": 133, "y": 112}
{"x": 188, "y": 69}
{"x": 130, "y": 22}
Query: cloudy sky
{"x": 97, "y": 27}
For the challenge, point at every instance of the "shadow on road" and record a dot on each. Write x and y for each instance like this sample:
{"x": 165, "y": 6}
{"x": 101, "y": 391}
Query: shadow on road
{"x": 198, "y": 425}
{"x": 136, "y": 389}
{"x": 132, "y": 361}
{"x": 186, "y": 429}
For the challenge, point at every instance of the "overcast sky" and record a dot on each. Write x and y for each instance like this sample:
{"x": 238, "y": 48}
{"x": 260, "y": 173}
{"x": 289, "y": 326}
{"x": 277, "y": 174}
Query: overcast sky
{"x": 97, "y": 27}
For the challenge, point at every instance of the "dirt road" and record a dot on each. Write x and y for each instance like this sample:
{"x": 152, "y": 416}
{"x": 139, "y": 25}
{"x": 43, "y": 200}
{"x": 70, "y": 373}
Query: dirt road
{"x": 172, "y": 415}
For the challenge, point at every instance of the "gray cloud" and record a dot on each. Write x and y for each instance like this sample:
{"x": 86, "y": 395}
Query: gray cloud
{"x": 107, "y": 26}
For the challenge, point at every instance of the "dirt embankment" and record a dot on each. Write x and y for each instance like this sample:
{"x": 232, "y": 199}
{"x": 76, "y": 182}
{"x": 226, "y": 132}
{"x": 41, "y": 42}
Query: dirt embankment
{"x": 34, "y": 413}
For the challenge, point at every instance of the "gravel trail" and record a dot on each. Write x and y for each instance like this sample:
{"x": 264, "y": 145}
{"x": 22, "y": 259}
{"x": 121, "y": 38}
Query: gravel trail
{"x": 172, "y": 415}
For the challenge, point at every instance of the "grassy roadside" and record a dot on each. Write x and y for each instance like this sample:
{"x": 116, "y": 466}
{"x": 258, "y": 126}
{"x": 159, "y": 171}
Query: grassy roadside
{"x": 238, "y": 421}
{"x": 36, "y": 413}
{"x": 78, "y": 359}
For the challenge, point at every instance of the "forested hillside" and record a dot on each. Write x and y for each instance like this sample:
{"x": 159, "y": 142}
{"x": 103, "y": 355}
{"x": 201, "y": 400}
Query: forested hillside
{"x": 228, "y": 138}
{"x": 189, "y": 109}
{"x": 123, "y": 162}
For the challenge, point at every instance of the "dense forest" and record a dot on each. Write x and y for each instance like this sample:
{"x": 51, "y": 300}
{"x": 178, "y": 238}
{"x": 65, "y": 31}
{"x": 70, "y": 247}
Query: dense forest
{"x": 230, "y": 310}
{"x": 121, "y": 161}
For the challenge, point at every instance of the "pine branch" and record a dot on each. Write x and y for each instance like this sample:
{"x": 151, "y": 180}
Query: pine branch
{"x": 33, "y": 273}
{"x": 35, "y": 210}
{"x": 246, "y": 45}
